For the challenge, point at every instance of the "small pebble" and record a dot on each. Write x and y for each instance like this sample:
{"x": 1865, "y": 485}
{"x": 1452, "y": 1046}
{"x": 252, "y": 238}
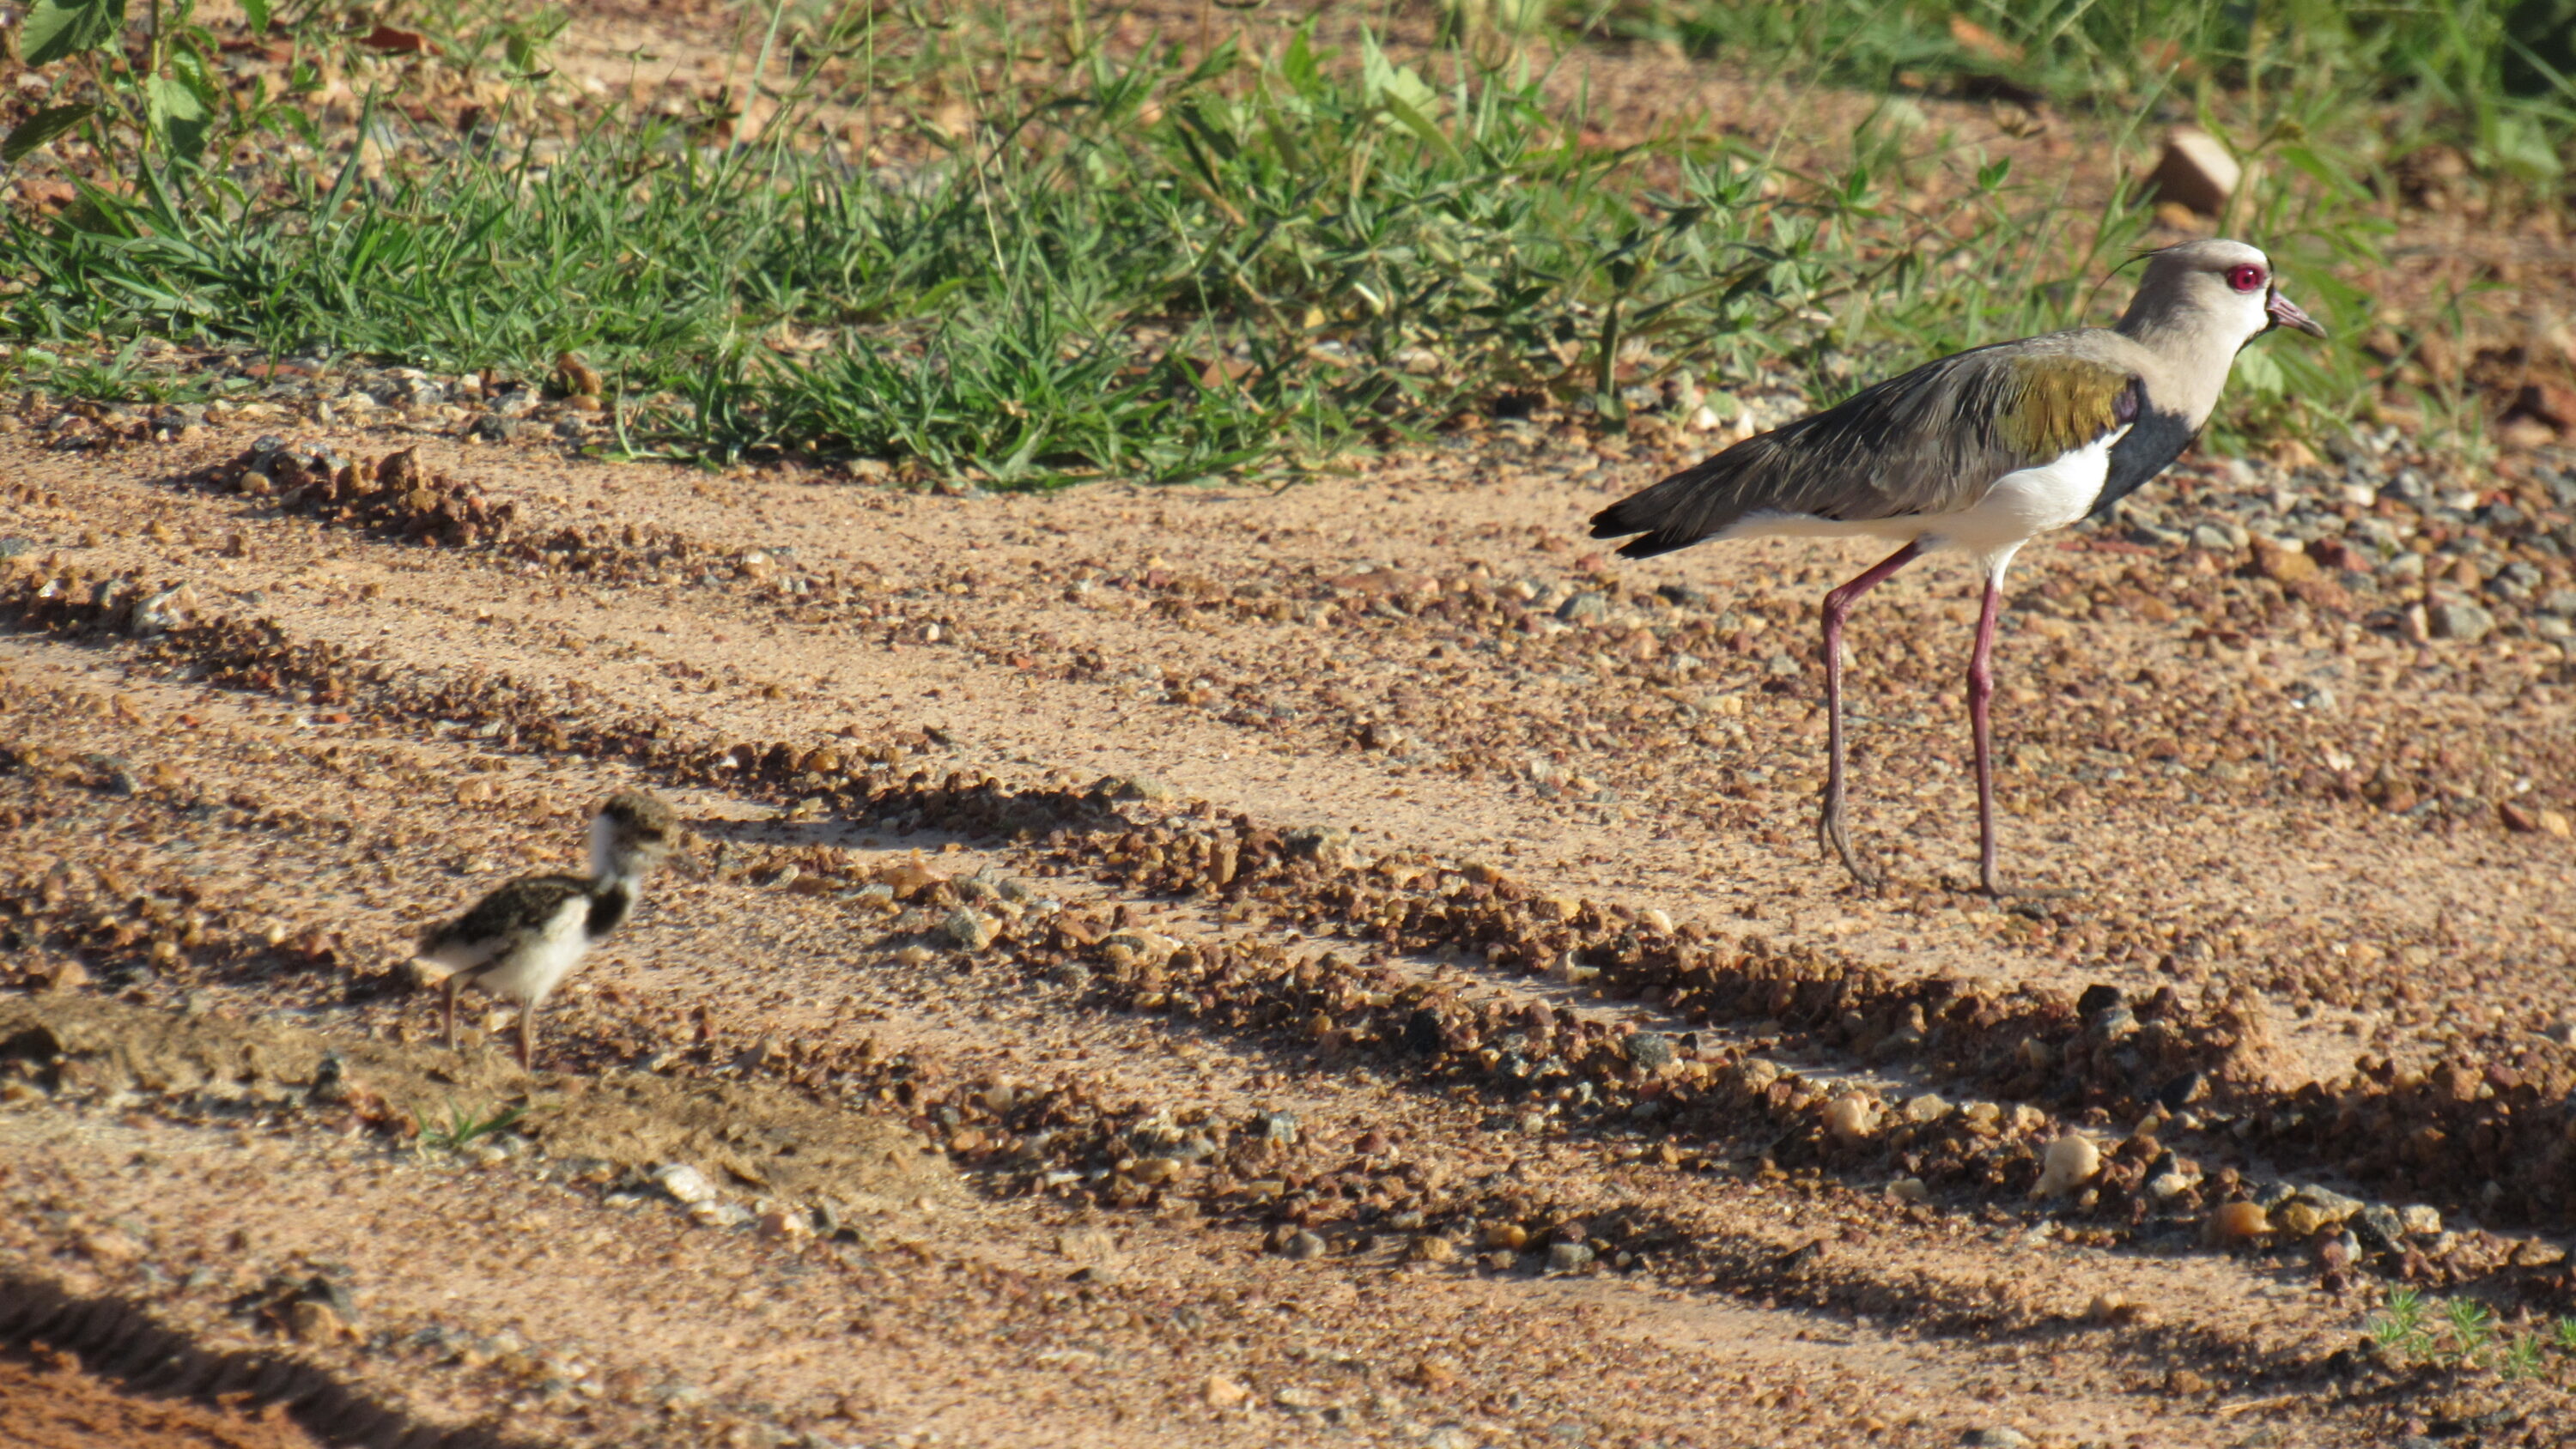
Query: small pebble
{"x": 685, "y": 1184}
{"x": 111, "y": 1247}
{"x": 1851, "y": 1117}
{"x": 1650, "y": 1050}
{"x": 2071, "y": 1162}
{"x": 313, "y": 1322}
{"x": 2239, "y": 1222}
{"x": 2379, "y": 1229}
{"x": 720, "y": 1214}
{"x": 1303, "y": 1247}
{"x": 1145, "y": 787}
{"x": 2334, "y": 1206}
{"x": 2463, "y": 621}
{"x": 1087, "y": 1245}
{"x": 2299, "y": 1219}
{"x": 967, "y": 930}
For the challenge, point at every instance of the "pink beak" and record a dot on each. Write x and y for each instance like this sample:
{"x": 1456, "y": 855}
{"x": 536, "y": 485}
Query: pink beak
{"x": 2286, "y": 313}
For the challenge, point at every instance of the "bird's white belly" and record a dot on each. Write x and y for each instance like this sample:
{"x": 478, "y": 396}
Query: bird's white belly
{"x": 2024, "y": 504}
{"x": 543, "y": 959}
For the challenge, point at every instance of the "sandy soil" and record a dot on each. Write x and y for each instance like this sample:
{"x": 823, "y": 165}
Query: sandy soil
{"x": 222, "y": 835}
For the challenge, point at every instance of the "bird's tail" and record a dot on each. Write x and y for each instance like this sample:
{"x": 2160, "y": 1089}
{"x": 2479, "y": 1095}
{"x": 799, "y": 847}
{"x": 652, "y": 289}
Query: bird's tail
{"x": 1691, "y": 505}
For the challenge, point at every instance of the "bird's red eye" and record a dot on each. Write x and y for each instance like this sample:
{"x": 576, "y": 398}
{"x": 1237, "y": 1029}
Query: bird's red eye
{"x": 2245, "y": 278}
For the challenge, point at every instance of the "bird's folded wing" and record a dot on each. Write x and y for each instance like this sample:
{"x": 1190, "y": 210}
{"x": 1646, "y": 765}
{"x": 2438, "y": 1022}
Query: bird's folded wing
{"x": 517, "y": 912}
{"x": 1929, "y": 442}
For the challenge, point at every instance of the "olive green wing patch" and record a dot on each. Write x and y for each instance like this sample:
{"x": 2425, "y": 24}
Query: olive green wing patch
{"x": 2055, "y": 404}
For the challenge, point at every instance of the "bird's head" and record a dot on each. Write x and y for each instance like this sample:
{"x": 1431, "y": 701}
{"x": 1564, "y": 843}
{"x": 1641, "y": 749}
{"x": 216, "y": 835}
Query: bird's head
{"x": 2219, "y": 288}
{"x": 631, "y": 834}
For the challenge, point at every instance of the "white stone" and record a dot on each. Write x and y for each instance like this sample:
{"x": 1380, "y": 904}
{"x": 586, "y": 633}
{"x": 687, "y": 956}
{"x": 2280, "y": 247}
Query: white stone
{"x": 2195, "y": 171}
{"x": 2071, "y": 1162}
{"x": 685, "y": 1184}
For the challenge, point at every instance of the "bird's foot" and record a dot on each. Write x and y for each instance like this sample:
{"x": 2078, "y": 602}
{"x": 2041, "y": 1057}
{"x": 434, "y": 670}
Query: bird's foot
{"x": 1831, "y": 836}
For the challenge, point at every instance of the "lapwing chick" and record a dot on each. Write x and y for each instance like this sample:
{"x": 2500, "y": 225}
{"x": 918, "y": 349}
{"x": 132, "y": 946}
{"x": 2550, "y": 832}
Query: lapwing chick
{"x": 1978, "y": 453}
{"x": 522, "y": 940}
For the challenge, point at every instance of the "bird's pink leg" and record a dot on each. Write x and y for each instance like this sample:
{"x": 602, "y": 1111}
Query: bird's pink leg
{"x": 1837, "y": 608}
{"x": 455, "y": 979}
{"x": 1981, "y": 696}
{"x": 527, "y": 1037}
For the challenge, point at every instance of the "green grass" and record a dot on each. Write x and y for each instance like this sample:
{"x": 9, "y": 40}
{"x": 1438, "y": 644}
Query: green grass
{"x": 1153, "y": 267}
{"x": 2462, "y": 1332}
{"x": 463, "y": 1127}
{"x": 2403, "y": 1324}
{"x": 2489, "y": 75}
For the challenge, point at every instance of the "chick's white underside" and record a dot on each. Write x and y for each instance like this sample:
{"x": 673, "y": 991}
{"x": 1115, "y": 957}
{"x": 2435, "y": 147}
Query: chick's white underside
{"x": 532, "y": 962}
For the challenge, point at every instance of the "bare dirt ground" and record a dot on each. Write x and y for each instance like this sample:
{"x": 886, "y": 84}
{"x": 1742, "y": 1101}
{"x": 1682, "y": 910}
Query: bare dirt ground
{"x": 1218, "y": 967}
{"x": 1270, "y": 805}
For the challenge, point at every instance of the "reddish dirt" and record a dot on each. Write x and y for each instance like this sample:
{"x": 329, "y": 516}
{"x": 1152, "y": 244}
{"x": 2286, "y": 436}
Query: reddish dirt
{"x": 47, "y": 1402}
{"x": 233, "y": 828}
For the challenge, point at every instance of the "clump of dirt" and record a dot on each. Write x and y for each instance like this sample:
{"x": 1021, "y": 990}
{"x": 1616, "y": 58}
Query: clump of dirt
{"x": 762, "y": 1135}
{"x": 83, "y": 1042}
{"x": 771, "y": 1140}
{"x": 50, "y": 1403}
{"x": 67, "y": 1350}
{"x": 397, "y": 496}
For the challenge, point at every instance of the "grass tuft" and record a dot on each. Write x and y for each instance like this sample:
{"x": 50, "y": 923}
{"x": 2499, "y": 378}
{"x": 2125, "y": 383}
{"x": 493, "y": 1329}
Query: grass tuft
{"x": 2464, "y": 1333}
{"x": 463, "y": 1128}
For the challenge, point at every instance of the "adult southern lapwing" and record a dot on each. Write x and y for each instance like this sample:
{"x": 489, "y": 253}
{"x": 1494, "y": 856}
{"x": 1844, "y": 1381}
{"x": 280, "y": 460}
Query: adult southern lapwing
{"x": 523, "y": 939}
{"x": 1979, "y": 452}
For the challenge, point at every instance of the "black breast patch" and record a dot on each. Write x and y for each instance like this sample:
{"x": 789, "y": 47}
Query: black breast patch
{"x": 2148, "y": 448}
{"x": 608, "y": 910}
